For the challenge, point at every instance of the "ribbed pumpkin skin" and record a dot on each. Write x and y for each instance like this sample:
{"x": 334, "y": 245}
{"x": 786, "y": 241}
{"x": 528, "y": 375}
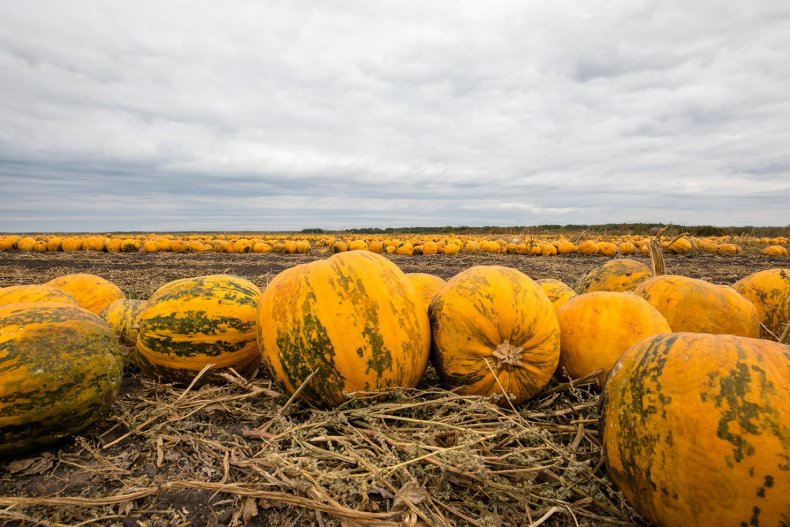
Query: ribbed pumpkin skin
{"x": 769, "y": 291}
{"x": 93, "y": 293}
{"x": 354, "y": 317}
{"x": 696, "y": 430}
{"x": 122, "y": 316}
{"x": 192, "y": 322}
{"x": 35, "y": 293}
{"x": 597, "y": 327}
{"x": 697, "y": 306}
{"x": 495, "y": 315}
{"x": 615, "y": 275}
{"x": 427, "y": 286}
{"x": 557, "y": 291}
{"x": 59, "y": 372}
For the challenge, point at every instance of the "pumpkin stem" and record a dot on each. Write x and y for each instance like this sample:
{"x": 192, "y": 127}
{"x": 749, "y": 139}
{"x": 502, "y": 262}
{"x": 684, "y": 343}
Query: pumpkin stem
{"x": 657, "y": 266}
{"x": 508, "y": 356}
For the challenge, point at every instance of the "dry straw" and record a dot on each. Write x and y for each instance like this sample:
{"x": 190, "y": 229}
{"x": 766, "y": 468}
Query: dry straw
{"x": 238, "y": 454}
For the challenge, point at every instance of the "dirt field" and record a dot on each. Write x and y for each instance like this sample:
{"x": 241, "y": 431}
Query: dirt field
{"x": 243, "y": 454}
{"x": 139, "y": 274}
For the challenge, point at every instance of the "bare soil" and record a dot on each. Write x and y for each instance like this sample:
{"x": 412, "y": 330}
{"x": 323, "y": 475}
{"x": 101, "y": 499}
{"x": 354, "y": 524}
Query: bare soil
{"x": 244, "y": 454}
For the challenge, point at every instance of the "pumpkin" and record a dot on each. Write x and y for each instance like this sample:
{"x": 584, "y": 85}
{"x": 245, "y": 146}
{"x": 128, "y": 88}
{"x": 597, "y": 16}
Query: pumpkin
{"x": 92, "y": 292}
{"x": 427, "y": 285}
{"x": 193, "y": 322}
{"x": 588, "y": 247}
{"x": 566, "y": 247}
{"x": 607, "y": 248}
{"x": 59, "y": 372}
{"x": 34, "y": 293}
{"x": 123, "y": 316}
{"x": 769, "y": 291}
{"x": 357, "y": 245}
{"x": 26, "y": 244}
{"x": 681, "y": 245}
{"x": 557, "y": 291}
{"x": 54, "y": 244}
{"x": 696, "y": 432}
{"x": 775, "y": 250}
{"x": 615, "y": 275}
{"x": 354, "y": 321}
{"x": 450, "y": 249}
{"x": 697, "y": 306}
{"x": 729, "y": 248}
{"x": 627, "y": 248}
{"x": 302, "y": 247}
{"x": 405, "y": 249}
{"x": 430, "y": 248}
{"x": 595, "y": 328}
{"x": 290, "y": 246}
{"x": 494, "y": 333}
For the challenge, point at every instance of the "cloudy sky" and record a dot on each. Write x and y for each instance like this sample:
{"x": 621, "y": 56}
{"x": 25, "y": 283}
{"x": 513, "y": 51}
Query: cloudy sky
{"x": 271, "y": 115}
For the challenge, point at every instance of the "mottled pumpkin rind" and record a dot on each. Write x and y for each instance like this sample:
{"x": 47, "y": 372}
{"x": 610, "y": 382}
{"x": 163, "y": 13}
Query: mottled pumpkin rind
{"x": 193, "y": 322}
{"x": 354, "y": 319}
{"x": 557, "y": 291}
{"x": 427, "y": 286}
{"x": 617, "y": 275}
{"x": 92, "y": 292}
{"x": 597, "y": 327}
{"x": 35, "y": 293}
{"x": 769, "y": 291}
{"x": 122, "y": 316}
{"x": 481, "y": 309}
{"x": 697, "y": 306}
{"x": 695, "y": 429}
{"x": 60, "y": 370}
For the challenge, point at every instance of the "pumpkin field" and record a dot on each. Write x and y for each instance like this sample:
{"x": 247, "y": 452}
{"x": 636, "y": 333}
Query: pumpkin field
{"x": 483, "y": 403}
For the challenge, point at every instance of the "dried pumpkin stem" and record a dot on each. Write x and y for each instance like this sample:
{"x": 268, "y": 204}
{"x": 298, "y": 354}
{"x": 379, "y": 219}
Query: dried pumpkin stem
{"x": 657, "y": 266}
{"x": 508, "y": 356}
{"x": 785, "y": 334}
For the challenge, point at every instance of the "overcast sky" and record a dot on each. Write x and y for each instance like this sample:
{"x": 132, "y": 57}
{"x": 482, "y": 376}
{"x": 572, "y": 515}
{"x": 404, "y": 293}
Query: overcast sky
{"x": 270, "y": 115}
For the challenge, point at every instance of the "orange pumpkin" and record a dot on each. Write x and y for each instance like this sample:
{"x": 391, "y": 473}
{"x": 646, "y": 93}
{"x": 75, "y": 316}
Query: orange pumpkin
{"x": 680, "y": 246}
{"x": 93, "y": 293}
{"x": 615, "y": 275}
{"x": 354, "y": 319}
{"x": 769, "y": 291}
{"x": 597, "y": 327}
{"x": 123, "y": 317}
{"x": 588, "y": 247}
{"x": 557, "y": 291}
{"x": 607, "y": 248}
{"x": 775, "y": 250}
{"x": 427, "y": 285}
{"x": 696, "y": 430}
{"x": 34, "y": 293}
{"x": 494, "y": 333}
{"x": 694, "y": 305}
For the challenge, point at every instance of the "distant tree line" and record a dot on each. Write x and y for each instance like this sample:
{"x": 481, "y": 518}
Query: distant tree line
{"x": 643, "y": 229}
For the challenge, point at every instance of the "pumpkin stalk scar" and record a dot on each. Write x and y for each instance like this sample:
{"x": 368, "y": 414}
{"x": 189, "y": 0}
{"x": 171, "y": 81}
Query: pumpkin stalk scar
{"x": 508, "y": 356}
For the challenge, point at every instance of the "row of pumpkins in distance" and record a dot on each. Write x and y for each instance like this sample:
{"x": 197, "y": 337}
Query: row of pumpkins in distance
{"x": 410, "y": 245}
{"x": 696, "y": 402}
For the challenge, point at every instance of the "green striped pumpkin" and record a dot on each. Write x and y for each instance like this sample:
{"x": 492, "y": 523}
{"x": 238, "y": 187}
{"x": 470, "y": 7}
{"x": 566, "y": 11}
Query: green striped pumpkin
{"x": 193, "y": 322}
{"x": 35, "y": 293}
{"x": 59, "y": 372}
{"x": 696, "y": 429}
{"x": 354, "y": 319}
{"x": 123, "y": 316}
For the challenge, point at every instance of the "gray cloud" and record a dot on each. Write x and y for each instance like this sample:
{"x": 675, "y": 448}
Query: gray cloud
{"x": 266, "y": 115}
